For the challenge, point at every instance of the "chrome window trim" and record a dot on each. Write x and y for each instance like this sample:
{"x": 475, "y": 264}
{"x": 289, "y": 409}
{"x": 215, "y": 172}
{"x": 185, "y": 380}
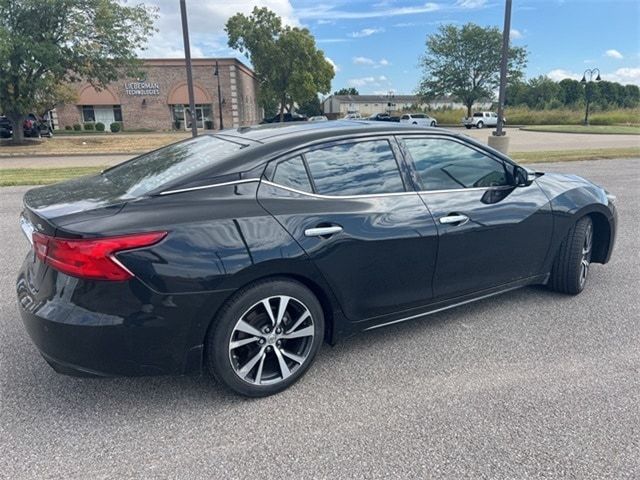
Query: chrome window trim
{"x": 202, "y": 187}
{"x": 338, "y": 197}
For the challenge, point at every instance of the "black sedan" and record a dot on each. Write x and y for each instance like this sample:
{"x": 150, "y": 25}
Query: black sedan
{"x": 241, "y": 252}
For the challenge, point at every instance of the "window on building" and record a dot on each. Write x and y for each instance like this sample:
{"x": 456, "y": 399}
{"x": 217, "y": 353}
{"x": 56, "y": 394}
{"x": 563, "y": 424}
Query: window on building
{"x": 445, "y": 165}
{"x": 293, "y": 174}
{"x": 117, "y": 113}
{"x": 361, "y": 168}
{"x": 106, "y": 114}
{"x": 182, "y": 117}
{"x": 88, "y": 114}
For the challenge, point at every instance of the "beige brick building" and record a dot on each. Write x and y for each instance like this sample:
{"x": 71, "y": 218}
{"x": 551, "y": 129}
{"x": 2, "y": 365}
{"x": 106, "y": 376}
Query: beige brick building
{"x": 160, "y": 100}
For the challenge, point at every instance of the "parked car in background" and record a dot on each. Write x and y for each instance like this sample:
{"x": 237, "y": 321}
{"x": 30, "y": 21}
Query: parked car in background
{"x": 287, "y": 117}
{"x": 318, "y": 118}
{"x": 482, "y": 119}
{"x": 352, "y": 116}
{"x": 421, "y": 119}
{"x": 6, "y": 130}
{"x": 35, "y": 126}
{"x": 380, "y": 117}
{"x": 242, "y": 252}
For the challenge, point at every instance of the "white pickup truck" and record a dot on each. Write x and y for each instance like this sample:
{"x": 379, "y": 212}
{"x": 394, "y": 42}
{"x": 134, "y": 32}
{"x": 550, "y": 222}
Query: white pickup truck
{"x": 482, "y": 119}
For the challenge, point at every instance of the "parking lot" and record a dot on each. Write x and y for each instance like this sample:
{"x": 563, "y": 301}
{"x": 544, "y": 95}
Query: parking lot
{"x": 530, "y": 384}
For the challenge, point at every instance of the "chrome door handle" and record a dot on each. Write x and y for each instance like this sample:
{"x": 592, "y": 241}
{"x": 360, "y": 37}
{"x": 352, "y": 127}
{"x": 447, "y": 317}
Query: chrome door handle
{"x": 459, "y": 219}
{"x": 322, "y": 231}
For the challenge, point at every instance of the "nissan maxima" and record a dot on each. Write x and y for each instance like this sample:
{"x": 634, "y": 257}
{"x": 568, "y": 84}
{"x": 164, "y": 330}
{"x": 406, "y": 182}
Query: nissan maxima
{"x": 241, "y": 252}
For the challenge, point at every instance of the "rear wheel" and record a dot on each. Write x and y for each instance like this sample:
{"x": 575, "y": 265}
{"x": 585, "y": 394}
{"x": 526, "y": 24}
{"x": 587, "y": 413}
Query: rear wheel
{"x": 480, "y": 124}
{"x": 266, "y": 337}
{"x": 468, "y": 127}
{"x": 571, "y": 265}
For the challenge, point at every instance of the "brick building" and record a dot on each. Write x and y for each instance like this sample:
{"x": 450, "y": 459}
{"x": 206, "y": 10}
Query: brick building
{"x": 160, "y": 100}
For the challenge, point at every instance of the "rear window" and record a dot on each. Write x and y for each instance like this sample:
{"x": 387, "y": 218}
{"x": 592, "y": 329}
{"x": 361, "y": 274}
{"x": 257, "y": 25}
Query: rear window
{"x": 161, "y": 167}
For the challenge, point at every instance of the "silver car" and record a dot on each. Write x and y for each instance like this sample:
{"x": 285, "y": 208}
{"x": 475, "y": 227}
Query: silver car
{"x": 421, "y": 119}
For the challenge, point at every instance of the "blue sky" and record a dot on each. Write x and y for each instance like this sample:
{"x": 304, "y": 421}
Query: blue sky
{"x": 376, "y": 45}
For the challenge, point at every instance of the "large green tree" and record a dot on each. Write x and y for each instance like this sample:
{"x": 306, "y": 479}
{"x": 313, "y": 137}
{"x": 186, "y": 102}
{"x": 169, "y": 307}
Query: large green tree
{"x": 464, "y": 62}
{"x": 290, "y": 68}
{"x": 347, "y": 91}
{"x": 44, "y": 43}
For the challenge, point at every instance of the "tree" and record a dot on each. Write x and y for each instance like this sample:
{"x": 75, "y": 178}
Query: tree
{"x": 289, "y": 67}
{"x": 570, "y": 93}
{"x": 347, "y": 91}
{"x": 464, "y": 62}
{"x": 47, "y": 43}
{"x": 311, "y": 107}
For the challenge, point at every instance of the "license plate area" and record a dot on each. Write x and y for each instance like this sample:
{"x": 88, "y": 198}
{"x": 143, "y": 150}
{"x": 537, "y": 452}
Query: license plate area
{"x": 27, "y": 229}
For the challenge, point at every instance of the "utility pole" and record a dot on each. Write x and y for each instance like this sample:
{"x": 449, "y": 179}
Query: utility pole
{"x": 187, "y": 57}
{"x": 217, "y": 74}
{"x": 503, "y": 68}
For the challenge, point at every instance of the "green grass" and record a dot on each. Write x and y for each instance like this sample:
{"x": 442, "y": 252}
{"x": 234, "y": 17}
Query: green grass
{"x": 605, "y": 129}
{"x": 42, "y": 176}
{"x": 575, "y": 155}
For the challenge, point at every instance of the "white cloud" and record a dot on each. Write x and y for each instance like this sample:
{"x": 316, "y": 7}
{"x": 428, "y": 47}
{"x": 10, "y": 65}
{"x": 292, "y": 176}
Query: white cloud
{"x": 515, "y": 34}
{"x": 363, "y": 61}
{"x": 469, "y": 4}
{"x": 612, "y": 53}
{"x": 383, "y": 62}
{"x": 336, "y": 67}
{"x": 206, "y": 25}
{"x": 623, "y": 75}
{"x": 366, "y": 32}
{"x": 369, "y": 81}
{"x": 328, "y": 11}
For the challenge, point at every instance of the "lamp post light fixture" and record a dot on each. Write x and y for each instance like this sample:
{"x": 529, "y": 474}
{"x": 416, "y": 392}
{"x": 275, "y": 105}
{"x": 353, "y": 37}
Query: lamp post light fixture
{"x": 587, "y": 78}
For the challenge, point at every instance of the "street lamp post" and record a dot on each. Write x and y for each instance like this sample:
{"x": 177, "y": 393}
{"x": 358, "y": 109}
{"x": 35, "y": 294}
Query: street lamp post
{"x": 220, "y": 101}
{"x": 588, "y": 73}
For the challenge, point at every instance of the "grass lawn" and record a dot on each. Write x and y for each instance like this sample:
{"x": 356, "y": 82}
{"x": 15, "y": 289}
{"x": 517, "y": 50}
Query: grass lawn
{"x": 94, "y": 144}
{"x": 43, "y": 176}
{"x": 605, "y": 129}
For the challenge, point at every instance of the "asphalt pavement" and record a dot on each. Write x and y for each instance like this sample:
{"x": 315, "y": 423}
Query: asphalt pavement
{"x": 530, "y": 384}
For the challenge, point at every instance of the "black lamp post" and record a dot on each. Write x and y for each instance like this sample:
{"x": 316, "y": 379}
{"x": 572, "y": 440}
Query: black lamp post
{"x": 588, "y": 73}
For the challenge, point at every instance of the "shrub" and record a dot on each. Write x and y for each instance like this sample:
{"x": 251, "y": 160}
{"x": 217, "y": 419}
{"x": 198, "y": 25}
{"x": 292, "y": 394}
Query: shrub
{"x": 89, "y": 126}
{"x": 100, "y": 127}
{"x": 115, "y": 127}
{"x": 68, "y": 127}
{"x": 77, "y": 127}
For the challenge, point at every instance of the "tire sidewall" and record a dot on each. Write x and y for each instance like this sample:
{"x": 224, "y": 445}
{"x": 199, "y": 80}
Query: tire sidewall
{"x": 219, "y": 336}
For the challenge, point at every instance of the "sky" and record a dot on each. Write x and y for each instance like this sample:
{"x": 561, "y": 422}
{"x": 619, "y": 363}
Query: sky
{"x": 375, "y": 46}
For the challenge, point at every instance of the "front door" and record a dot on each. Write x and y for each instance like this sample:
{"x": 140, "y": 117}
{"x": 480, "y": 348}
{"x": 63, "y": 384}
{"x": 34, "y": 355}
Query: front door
{"x": 346, "y": 205}
{"x": 490, "y": 232}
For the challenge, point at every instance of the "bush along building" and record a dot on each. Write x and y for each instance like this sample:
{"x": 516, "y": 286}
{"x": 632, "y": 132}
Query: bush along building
{"x": 159, "y": 100}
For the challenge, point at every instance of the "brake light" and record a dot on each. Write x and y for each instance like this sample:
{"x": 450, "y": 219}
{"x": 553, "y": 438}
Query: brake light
{"x": 92, "y": 258}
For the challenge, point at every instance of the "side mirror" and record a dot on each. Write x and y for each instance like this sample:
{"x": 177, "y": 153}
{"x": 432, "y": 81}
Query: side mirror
{"x": 524, "y": 177}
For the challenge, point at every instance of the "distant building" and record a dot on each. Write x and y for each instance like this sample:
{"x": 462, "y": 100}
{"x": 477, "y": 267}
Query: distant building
{"x": 159, "y": 100}
{"x": 337, "y": 106}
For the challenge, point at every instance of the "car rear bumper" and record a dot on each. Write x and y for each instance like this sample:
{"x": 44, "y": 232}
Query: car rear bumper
{"x": 111, "y": 328}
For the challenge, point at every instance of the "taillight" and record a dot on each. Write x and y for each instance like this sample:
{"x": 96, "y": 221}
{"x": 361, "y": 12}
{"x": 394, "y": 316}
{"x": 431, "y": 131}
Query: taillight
{"x": 92, "y": 258}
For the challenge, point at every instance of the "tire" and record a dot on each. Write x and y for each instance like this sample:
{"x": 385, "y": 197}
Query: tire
{"x": 255, "y": 368}
{"x": 468, "y": 127}
{"x": 571, "y": 265}
{"x": 480, "y": 125}
{"x": 433, "y": 124}
{"x": 415, "y": 123}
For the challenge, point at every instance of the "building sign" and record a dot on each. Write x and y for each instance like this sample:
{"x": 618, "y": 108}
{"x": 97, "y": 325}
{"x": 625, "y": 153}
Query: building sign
{"x": 141, "y": 88}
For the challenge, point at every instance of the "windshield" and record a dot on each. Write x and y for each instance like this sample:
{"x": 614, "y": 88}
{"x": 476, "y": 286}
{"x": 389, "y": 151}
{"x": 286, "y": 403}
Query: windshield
{"x": 155, "y": 169}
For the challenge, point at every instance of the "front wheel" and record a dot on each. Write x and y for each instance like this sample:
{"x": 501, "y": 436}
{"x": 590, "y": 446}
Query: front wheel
{"x": 571, "y": 265}
{"x": 266, "y": 337}
{"x": 433, "y": 124}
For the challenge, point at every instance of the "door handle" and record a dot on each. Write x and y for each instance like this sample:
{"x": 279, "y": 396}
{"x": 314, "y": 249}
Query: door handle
{"x": 454, "y": 218}
{"x": 322, "y": 231}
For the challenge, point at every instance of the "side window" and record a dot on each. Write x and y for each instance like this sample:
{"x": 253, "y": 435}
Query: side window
{"x": 361, "y": 168}
{"x": 291, "y": 173}
{"x": 444, "y": 165}
{"x": 405, "y": 117}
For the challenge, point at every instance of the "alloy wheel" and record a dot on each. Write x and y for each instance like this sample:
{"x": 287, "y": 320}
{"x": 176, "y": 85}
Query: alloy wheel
{"x": 585, "y": 260}
{"x": 271, "y": 340}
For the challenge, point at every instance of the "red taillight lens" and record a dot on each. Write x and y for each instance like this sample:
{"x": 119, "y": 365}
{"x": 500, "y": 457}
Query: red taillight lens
{"x": 91, "y": 258}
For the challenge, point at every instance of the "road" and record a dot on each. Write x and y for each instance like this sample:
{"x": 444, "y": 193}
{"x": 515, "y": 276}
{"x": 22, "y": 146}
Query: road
{"x": 520, "y": 141}
{"x": 530, "y": 384}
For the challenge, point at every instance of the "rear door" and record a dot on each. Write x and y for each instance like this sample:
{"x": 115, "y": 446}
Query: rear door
{"x": 347, "y": 206}
{"x": 491, "y": 233}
